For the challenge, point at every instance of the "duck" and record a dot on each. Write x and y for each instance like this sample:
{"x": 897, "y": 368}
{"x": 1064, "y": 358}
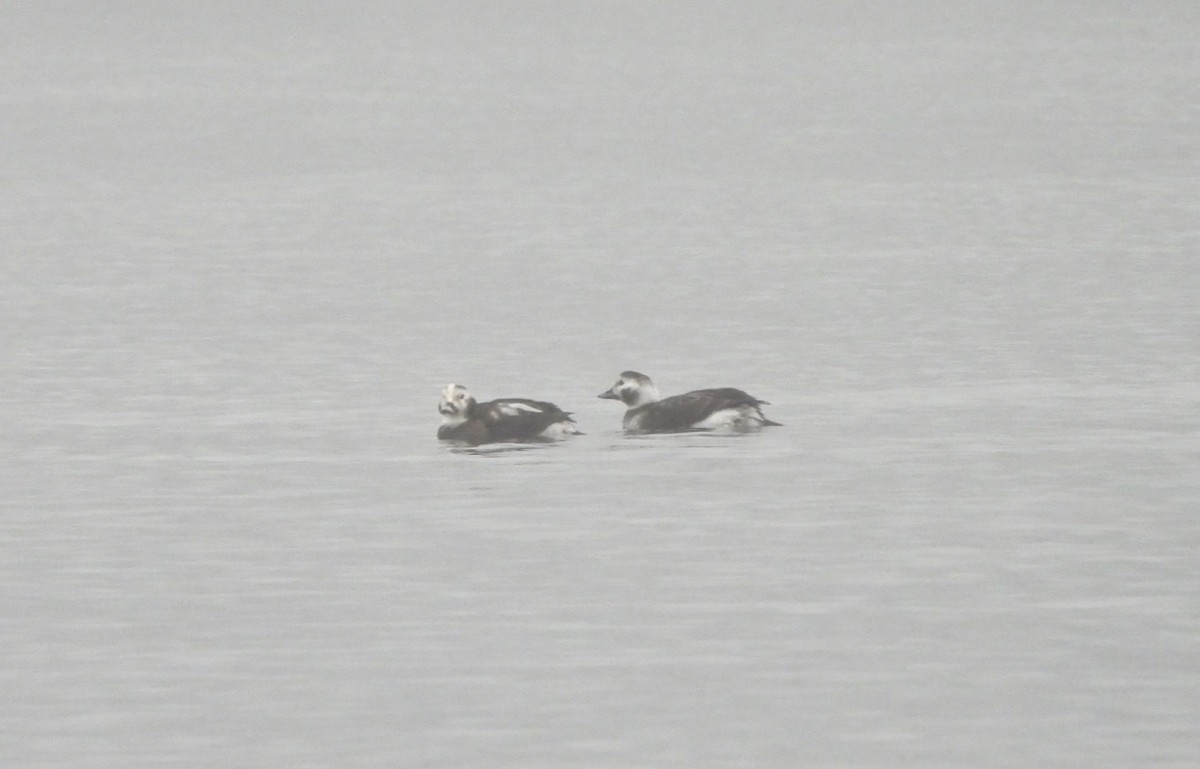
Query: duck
{"x": 502, "y": 420}
{"x": 722, "y": 408}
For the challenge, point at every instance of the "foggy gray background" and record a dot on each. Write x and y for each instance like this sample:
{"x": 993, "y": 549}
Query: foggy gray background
{"x": 245, "y": 245}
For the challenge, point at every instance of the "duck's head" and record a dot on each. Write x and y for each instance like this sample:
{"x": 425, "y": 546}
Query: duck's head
{"x": 456, "y": 403}
{"x": 632, "y": 389}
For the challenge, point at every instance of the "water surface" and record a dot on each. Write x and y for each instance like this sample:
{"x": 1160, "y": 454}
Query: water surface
{"x": 953, "y": 247}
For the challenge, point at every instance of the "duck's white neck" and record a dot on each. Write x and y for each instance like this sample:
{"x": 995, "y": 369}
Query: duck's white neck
{"x": 641, "y": 395}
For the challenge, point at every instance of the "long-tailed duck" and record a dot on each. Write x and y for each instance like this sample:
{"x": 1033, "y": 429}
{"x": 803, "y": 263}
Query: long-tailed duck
{"x": 721, "y": 408}
{"x": 504, "y": 419}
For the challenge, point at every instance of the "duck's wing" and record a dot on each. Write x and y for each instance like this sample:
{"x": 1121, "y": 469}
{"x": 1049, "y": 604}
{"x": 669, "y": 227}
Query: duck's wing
{"x": 687, "y": 411}
{"x": 513, "y": 419}
{"x": 678, "y": 412}
{"x": 731, "y": 396}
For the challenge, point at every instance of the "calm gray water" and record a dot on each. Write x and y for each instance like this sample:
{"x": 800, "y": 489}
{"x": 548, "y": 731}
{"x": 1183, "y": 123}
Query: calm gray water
{"x": 955, "y": 246}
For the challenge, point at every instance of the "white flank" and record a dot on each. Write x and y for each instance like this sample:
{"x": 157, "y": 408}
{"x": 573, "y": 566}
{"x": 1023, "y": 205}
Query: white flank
{"x": 560, "y": 430}
{"x": 718, "y": 419}
{"x": 741, "y": 418}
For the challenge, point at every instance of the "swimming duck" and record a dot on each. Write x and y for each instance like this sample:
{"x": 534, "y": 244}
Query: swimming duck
{"x": 501, "y": 420}
{"x": 721, "y": 408}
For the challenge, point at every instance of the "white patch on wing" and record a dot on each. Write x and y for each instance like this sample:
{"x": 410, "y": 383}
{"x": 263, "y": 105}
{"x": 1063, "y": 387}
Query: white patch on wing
{"x": 513, "y": 409}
